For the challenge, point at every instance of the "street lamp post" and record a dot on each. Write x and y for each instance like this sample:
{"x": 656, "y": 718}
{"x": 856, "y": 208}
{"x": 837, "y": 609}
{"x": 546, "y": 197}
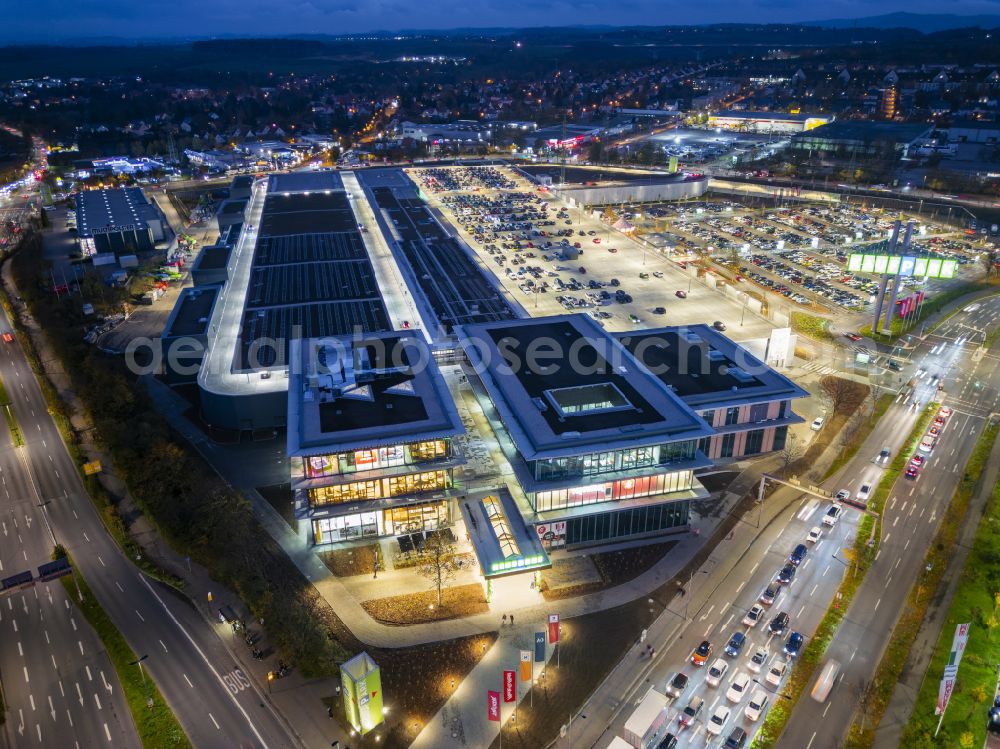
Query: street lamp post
{"x": 142, "y": 674}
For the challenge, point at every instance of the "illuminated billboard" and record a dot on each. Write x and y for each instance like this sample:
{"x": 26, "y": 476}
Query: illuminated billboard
{"x": 361, "y": 680}
{"x": 902, "y": 265}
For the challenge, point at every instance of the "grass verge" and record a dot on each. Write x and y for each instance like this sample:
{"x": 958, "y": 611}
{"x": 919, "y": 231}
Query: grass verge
{"x": 15, "y": 431}
{"x": 157, "y": 725}
{"x": 861, "y": 556}
{"x": 817, "y": 328}
{"x": 854, "y": 442}
{"x": 975, "y": 600}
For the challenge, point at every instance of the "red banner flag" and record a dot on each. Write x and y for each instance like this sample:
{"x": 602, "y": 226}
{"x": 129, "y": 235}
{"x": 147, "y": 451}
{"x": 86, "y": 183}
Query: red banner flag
{"x": 509, "y": 686}
{"x": 553, "y": 628}
{"x": 493, "y": 705}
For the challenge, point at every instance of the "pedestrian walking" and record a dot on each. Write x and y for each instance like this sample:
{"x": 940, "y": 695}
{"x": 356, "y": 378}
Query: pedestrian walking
{"x": 504, "y": 620}
{"x": 512, "y": 620}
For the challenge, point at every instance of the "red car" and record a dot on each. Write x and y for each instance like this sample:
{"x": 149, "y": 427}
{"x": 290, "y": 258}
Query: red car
{"x": 853, "y": 336}
{"x": 597, "y": 240}
{"x": 912, "y": 471}
{"x": 8, "y": 337}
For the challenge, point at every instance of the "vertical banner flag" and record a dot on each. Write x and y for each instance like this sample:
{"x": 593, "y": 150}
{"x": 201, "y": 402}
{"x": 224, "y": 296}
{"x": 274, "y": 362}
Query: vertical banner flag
{"x": 553, "y": 628}
{"x": 539, "y": 647}
{"x": 525, "y": 665}
{"x": 958, "y": 643}
{"x": 509, "y": 686}
{"x": 493, "y": 705}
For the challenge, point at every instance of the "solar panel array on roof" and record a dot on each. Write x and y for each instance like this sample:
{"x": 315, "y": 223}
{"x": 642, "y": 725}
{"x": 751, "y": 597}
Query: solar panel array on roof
{"x": 311, "y": 276}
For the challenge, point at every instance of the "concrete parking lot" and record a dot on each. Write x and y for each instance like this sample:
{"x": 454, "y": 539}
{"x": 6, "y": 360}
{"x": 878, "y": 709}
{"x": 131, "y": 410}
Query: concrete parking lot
{"x": 643, "y": 273}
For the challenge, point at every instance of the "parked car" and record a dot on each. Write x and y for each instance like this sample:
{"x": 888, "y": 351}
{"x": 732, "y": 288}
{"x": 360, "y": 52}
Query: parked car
{"x": 677, "y": 685}
{"x": 754, "y": 615}
{"x": 687, "y": 716}
{"x": 701, "y": 653}
{"x": 817, "y": 423}
{"x": 735, "y": 644}
{"x": 719, "y": 325}
{"x": 832, "y": 515}
{"x": 681, "y": 294}
{"x": 794, "y": 644}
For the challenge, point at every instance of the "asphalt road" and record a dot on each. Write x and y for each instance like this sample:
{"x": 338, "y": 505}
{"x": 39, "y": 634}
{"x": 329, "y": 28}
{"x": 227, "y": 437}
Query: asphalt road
{"x": 59, "y": 684}
{"x": 214, "y": 700}
{"x": 911, "y": 518}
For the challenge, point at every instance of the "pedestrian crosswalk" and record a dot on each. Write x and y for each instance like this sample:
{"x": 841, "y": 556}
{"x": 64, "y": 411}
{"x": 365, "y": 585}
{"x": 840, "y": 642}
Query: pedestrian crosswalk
{"x": 819, "y": 368}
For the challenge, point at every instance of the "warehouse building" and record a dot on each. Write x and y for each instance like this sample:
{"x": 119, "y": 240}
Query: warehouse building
{"x": 121, "y": 221}
{"x": 857, "y": 139}
{"x": 767, "y": 122}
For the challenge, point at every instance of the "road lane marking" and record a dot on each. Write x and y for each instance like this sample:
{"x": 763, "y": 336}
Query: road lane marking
{"x": 876, "y": 605}
{"x": 101, "y": 561}
{"x": 800, "y": 611}
{"x": 708, "y": 631}
{"x": 31, "y": 698}
{"x": 811, "y": 740}
{"x": 119, "y": 586}
{"x": 187, "y": 680}
{"x": 895, "y": 521}
{"x": 20, "y": 650}
{"x": 26, "y": 679}
{"x": 164, "y": 647}
{"x": 107, "y": 732}
{"x": 139, "y": 615}
{"x": 89, "y": 677}
{"x": 814, "y": 589}
{"x": 754, "y": 568}
{"x": 888, "y": 580}
{"x": 208, "y": 663}
{"x": 806, "y": 563}
{"x": 886, "y": 539}
{"x": 214, "y": 721}
{"x": 73, "y": 622}
{"x": 80, "y": 643}
{"x": 912, "y": 489}
{"x": 707, "y": 613}
{"x": 97, "y": 699}
{"x": 827, "y": 569}
{"x": 898, "y": 560}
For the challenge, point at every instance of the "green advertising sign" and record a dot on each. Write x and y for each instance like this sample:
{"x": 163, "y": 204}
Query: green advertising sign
{"x": 903, "y": 265}
{"x": 361, "y": 680}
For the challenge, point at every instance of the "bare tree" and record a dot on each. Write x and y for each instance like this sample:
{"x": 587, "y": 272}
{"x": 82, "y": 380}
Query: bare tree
{"x": 438, "y": 565}
{"x": 790, "y": 453}
{"x": 840, "y": 391}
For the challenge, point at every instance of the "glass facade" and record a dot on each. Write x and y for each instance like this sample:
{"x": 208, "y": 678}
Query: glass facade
{"x": 395, "y": 486}
{"x": 318, "y": 466}
{"x": 780, "y": 437}
{"x": 645, "y": 486}
{"x": 397, "y": 521}
{"x": 628, "y": 522}
{"x": 348, "y": 527}
{"x": 755, "y": 440}
{"x": 595, "y": 464}
{"x": 414, "y": 518}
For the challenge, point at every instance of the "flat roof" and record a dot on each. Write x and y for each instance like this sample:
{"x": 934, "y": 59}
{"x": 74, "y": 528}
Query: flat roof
{"x": 192, "y": 312}
{"x": 581, "y": 174}
{"x": 781, "y": 116}
{"x": 304, "y": 182}
{"x": 107, "y": 211}
{"x": 233, "y": 206}
{"x": 564, "y": 386}
{"x": 310, "y": 275}
{"x": 706, "y": 368}
{"x": 864, "y": 130}
{"x": 504, "y": 545}
{"x": 212, "y": 257}
{"x": 359, "y": 392}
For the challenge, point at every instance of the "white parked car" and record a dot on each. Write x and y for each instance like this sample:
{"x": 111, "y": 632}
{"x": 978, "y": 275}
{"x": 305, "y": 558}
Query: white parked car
{"x": 777, "y": 672}
{"x": 718, "y": 721}
{"x": 756, "y": 705}
{"x": 716, "y": 671}
{"x": 817, "y": 423}
{"x": 815, "y": 534}
{"x": 754, "y": 615}
{"x": 843, "y": 495}
{"x": 758, "y": 659}
{"x": 864, "y": 492}
{"x": 738, "y": 687}
{"x": 832, "y": 515}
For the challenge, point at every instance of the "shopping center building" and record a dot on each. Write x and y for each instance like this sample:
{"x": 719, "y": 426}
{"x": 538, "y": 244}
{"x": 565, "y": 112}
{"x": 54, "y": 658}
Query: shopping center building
{"x": 747, "y": 404}
{"x": 370, "y": 428}
{"x": 601, "y": 449}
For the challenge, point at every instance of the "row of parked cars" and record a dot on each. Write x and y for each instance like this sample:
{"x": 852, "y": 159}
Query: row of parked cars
{"x": 927, "y": 443}
{"x": 743, "y": 684}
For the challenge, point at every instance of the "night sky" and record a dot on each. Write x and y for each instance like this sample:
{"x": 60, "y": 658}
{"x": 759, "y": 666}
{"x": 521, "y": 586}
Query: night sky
{"x": 55, "y": 20}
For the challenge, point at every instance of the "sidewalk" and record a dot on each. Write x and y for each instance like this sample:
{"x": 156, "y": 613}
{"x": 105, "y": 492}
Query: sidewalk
{"x": 904, "y": 696}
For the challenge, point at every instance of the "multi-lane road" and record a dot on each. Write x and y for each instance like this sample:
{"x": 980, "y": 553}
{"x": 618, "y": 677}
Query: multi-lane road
{"x": 911, "y": 516}
{"x": 215, "y": 701}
